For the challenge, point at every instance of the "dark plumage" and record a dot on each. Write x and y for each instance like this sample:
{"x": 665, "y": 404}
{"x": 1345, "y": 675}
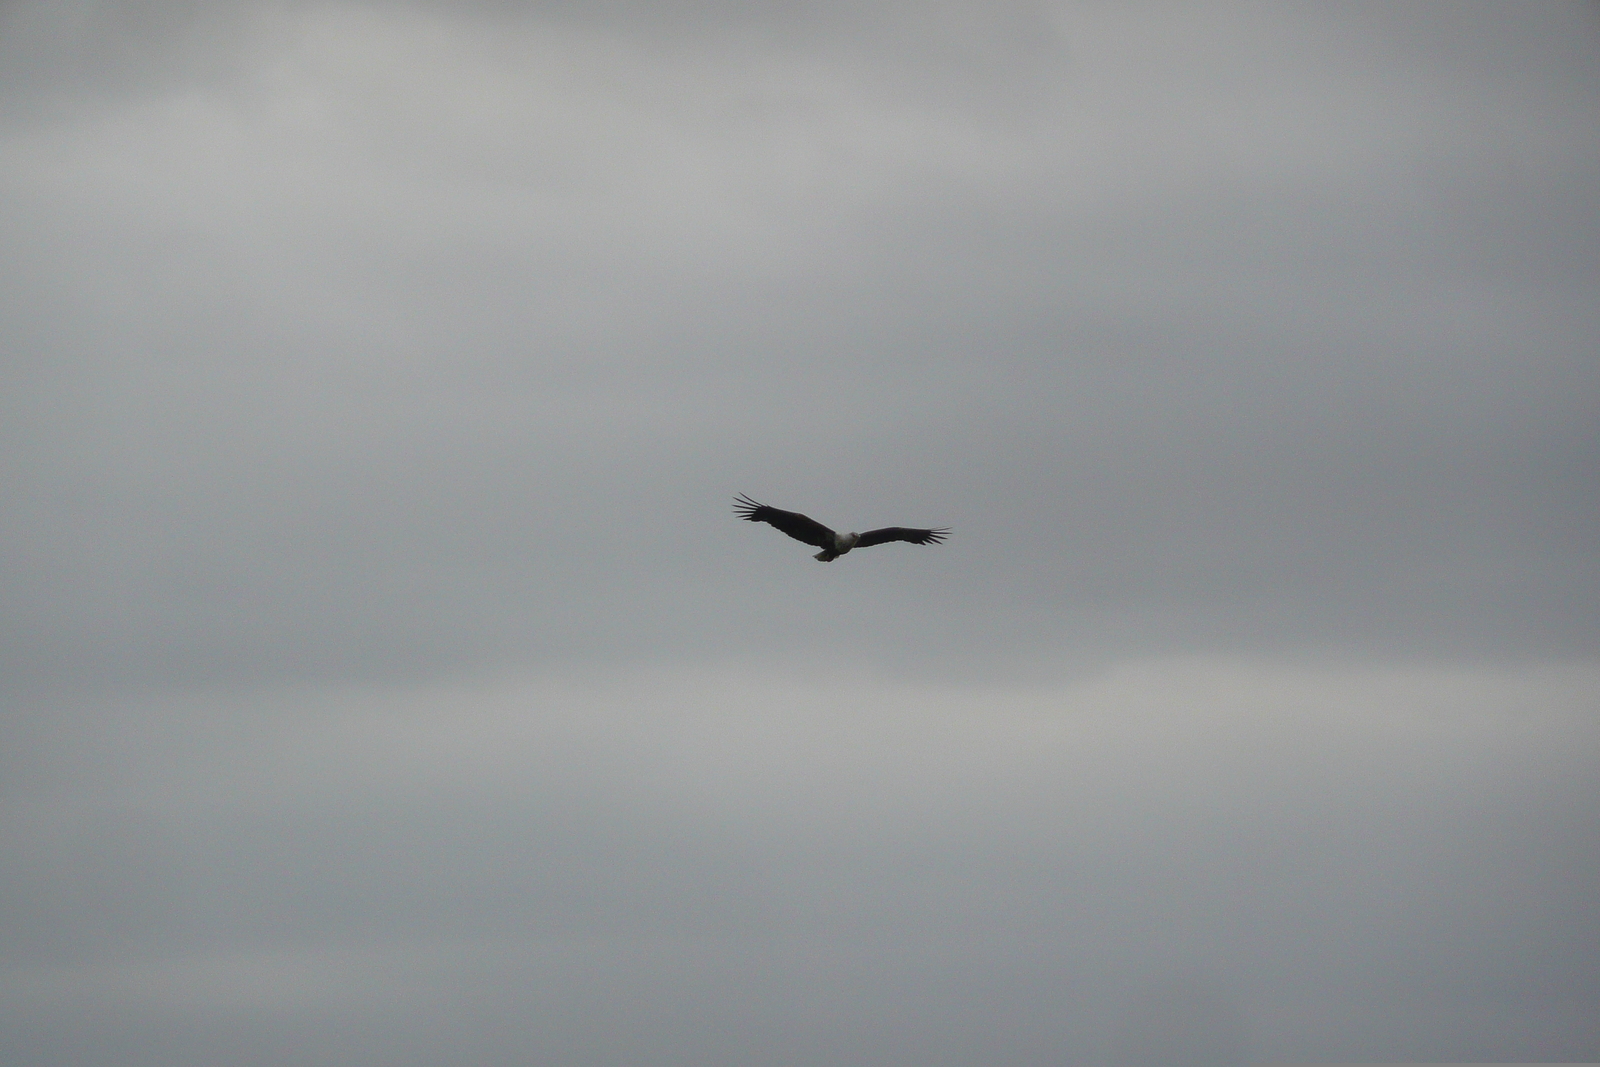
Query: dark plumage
{"x": 833, "y": 545}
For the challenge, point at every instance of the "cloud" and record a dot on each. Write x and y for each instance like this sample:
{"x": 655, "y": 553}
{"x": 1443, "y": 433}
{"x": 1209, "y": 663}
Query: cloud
{"x": 891, "y": 861}
{"x": 386, "y": 671}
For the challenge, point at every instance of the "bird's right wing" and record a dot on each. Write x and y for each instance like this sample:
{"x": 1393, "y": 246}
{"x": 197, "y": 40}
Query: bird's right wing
{"x": 792, "y": 523}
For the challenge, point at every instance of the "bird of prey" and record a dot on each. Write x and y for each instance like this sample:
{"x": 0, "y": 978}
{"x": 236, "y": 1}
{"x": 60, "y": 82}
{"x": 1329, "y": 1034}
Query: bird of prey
{"x": 833, "y": 545}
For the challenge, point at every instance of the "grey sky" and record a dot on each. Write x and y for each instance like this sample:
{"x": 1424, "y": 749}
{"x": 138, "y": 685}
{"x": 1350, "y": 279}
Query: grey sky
{"x": 386, "y": 678}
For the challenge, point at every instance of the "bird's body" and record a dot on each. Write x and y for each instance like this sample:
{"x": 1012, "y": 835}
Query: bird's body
{"x": 833, "y": 545}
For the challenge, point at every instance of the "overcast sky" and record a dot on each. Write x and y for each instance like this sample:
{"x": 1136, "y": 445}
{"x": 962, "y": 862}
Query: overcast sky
{"x": 386, "y": 680}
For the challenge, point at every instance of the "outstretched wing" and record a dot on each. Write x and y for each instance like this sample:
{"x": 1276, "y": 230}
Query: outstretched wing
{"x": 792, "y": 523}
{"x": 900, "y": 533}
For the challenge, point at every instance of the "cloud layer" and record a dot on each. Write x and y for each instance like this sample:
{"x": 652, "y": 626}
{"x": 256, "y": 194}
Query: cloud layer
{"x": 759, "y": 868}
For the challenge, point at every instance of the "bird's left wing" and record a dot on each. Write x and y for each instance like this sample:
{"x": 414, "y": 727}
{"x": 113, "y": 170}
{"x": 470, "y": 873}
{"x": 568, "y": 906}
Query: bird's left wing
{"x": 900, "y": 533}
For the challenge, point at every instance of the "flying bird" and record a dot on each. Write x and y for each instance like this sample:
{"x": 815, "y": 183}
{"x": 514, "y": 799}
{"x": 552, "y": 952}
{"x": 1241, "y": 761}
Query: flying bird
{"x": 833, "y": 545}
